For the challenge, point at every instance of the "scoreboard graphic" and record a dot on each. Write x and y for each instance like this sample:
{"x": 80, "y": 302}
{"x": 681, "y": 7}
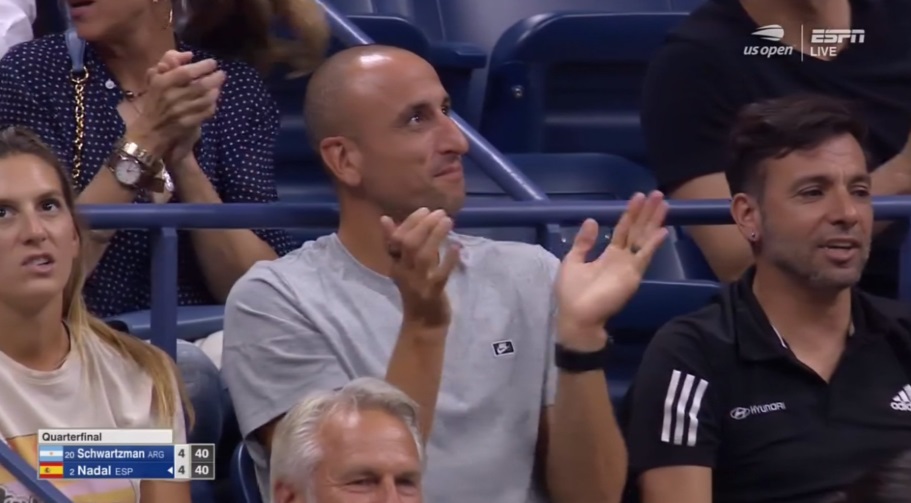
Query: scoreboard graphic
{"x": 122, "y": 454}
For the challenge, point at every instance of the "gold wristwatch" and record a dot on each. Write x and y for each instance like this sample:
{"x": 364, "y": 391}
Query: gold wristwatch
{"x": 136, "y": 168}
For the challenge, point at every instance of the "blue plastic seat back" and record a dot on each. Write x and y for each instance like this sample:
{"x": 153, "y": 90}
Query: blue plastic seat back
{"x": 562, "y": 177}
{"x": 588, "y": 176}
{"x": 571, "y": 82}
{"x": 193, "y": 322}
{"x": 243, "y": 476}
{"x": 694, "y": 263}
{"x": 482, "y": 22}
{"x": 653, "y": 305}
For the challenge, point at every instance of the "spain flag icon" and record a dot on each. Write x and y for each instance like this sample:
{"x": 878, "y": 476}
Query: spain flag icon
{"x": 50, "y": 471}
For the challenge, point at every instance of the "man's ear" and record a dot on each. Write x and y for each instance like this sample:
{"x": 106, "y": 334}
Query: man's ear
{"x": 342, "y": 158}
{"x": 747, "y": 217}
{"x": 284, "y": 493}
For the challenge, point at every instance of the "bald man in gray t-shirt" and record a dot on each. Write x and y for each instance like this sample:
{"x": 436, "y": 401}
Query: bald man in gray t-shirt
{"x": 316, "y": 319}
{"x": 467, "y": 327}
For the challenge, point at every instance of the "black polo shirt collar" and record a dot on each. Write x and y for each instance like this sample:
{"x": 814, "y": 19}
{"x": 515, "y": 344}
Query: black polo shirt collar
{"x": 757, "y": 340}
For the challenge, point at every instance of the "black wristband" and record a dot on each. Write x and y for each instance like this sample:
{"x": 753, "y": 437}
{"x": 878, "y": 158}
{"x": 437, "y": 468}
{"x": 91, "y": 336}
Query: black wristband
{"x": 577, "y": 361}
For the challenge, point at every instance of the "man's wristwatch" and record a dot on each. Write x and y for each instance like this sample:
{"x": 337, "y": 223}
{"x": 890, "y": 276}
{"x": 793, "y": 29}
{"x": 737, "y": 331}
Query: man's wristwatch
{"x": 136, "y": 168}
{"x": 577, "y": 361}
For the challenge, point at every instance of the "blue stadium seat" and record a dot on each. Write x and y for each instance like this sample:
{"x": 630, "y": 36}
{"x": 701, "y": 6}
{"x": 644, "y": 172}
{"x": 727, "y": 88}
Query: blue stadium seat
{"x": 581, "y": 176}
{"x": 561, "y": 177}
{"x": 691, "y": 258}
{"x": 481, "y": 22}
{"x": 243, "y": 476}
{"x": 193, "y": 322}
{"x": 658, "y": 302}
{"x": 653, "y": 305}
{"x": 571, "y": 82}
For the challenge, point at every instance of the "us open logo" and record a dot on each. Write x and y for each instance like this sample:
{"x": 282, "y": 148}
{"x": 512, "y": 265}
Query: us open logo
{"x": 772, "y": 33}
{"x": 824, "y": 42}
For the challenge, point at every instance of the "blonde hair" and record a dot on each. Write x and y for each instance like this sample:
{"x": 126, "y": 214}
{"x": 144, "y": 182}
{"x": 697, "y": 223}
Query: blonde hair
{"x": 244, "y": 29}
{"x": 166, "y": 382}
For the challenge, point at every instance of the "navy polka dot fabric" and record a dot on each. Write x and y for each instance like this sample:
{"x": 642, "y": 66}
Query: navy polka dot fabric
{"x": 235, "y": 152}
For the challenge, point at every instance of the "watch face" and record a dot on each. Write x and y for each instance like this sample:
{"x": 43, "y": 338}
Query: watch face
{"x": 128, "y": 172}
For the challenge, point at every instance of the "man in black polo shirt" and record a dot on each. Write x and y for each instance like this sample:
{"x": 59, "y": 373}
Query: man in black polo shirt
{"x": 729, "y": 53}
{"x": 793, "y": 382}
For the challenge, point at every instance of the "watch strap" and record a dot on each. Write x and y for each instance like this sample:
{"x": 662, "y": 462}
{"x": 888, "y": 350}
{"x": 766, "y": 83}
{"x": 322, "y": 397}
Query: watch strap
{"x": 578, "y": 361}
{"x": 134, "y": 150}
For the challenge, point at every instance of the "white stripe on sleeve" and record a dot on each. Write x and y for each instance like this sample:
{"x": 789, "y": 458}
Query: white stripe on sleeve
{"x": 681, "y": 414}
{"x": 668, "y": 406}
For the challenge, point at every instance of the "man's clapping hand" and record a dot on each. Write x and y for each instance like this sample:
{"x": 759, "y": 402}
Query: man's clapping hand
{"x": 418, "y": 269}
{"x": 591, "y": 292}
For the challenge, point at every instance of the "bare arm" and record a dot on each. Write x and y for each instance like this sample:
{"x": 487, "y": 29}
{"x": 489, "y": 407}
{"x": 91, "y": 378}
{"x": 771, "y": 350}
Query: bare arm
{"x": 160, "y": 491}
{"x": 421, "y": 274}
{"x": 223, "y": 255}
{"x": 587, "y": 459}
{"x": 416, "y": 368}
{"x": 103, "y": 189}
{"x": 586, "y": 455}
{"x": 677, "y": 484}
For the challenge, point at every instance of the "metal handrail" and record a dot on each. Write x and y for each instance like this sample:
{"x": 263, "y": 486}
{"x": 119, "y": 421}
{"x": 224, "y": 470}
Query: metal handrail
{"x": 493, "y": 213}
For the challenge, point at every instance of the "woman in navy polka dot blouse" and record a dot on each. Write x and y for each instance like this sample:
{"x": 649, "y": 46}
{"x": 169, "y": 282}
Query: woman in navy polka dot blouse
{"x": 231, "y": 162}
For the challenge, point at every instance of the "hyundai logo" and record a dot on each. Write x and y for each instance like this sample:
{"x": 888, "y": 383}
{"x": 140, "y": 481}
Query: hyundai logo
{"x": 740, "y": 413}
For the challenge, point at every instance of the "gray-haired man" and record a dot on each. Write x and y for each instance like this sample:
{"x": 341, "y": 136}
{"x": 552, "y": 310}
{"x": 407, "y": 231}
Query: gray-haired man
{"x": 359, "y": 443}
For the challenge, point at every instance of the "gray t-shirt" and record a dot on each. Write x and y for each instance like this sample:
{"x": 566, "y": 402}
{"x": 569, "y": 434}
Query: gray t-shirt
{"x": 316, "y": 319}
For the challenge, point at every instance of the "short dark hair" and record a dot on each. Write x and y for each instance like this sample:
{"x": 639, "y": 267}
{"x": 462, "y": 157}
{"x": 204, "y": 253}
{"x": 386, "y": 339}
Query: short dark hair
{"x": 774, "y": 128}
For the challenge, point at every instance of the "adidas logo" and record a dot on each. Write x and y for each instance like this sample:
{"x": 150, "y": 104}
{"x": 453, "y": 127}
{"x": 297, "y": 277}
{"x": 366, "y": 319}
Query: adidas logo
{"x": 902, "y": 401}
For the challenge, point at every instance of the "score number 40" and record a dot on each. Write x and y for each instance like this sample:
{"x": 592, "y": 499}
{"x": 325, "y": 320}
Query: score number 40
{"x": 198, "y": 470}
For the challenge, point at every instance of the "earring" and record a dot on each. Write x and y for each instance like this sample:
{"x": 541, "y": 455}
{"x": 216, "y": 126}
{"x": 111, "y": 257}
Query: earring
{"x": 170, "y": 16}
{"x": 170, "y": 19}
{"x": 753, "y": 236}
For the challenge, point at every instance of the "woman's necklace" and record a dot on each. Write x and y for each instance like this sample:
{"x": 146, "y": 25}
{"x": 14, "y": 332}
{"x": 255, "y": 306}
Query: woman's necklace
{"x": 131, "y": 98}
